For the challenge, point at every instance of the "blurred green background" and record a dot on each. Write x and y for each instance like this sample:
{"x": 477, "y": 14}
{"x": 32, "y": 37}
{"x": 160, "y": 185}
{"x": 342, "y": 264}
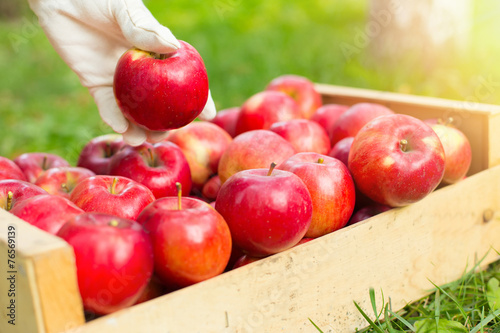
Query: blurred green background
{"x": 244, "y": 44}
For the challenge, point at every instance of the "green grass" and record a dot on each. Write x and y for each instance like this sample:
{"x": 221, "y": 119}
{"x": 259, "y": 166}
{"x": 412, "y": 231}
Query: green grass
{"x": 470, "y": 304}
{"x": 245, "y": 44}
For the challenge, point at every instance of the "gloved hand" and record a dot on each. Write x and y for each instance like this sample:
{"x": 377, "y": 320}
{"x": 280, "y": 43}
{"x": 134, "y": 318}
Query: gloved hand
{"x": 91, "y": 35}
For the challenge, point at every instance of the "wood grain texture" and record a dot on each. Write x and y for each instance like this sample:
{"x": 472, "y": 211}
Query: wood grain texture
{"x": 47, "y": 297}
{"x": 398, "y": 253}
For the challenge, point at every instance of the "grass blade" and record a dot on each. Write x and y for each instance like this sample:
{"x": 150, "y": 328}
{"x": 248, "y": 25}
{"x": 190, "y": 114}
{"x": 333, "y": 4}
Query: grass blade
{"x": 459, "y": 306}
{"x": 372, "y": 324}
{"x": 387, "y": 319}
{"x": 485, "y": 321}
{"x": 374, "y": 304}
{"x": 437, "y": 310}
{"x": 404, "y": 321}
{"x": 312, "y": 322}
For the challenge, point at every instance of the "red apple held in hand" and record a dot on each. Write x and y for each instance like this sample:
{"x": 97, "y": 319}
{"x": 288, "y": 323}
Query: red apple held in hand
{"x": 226, "y": 119}
{"x": 10, "y": 170}
{"x": 367, "y": 212}
{"x": 304, "y": 135}
{"x": 114, "y": 195}
{"x": 157, "y": 166}
{"x": 160, "y": 92}
{"x": 341, "y": 149}
{"x": 114, "y": 260}
{"x": 203, "y": 144}
{"x": 396, "y": 160}
{"x": 33, "y": 164}
{"x": 191, "y": 241}
{"x": 327, "y": 115}
{"x": 267, "y": 211}
{"x": 301, "y": 89}
{"x": 351, "y": 121}
{"x": 62, "y": 180}
{"x": 253, "y": 150}
{"x": 46, "y": 211}
{"x": 331, "y": 187}
{"x": 265, "y": 108}
{"x": 97, "y": 153}
{"x": 13, "y": 191}
{"x": 457, "y": 151}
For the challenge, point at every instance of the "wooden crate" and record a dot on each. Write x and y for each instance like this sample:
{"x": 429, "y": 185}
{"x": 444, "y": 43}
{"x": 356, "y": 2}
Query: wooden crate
{"x": 399, "y": 253}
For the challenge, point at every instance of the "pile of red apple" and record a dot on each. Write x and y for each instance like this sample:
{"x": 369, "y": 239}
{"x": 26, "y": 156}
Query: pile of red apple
{"x": 277, "y": 171}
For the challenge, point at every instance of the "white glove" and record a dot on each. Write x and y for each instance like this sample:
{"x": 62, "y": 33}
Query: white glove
{"x": 91, "y": 35}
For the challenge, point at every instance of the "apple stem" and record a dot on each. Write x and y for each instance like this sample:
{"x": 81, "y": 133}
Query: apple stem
{"x": 403, "y": 144}
{"x": 271, "y": 168}
{"x": 321, "y": 160}
{"x": 44, "y": 162}
{"x": 113, "y": 223}
{"x": 65, "y": 188}
{"x": 161, "y": 56}
{"x": 446, "y": 122}
{"x": 10, "y": 195}
{"x": 113, "y": 185}
{"x": 179, "y": 195}
{"x": 107, "y": 150}
{"x": 151, "y": 157}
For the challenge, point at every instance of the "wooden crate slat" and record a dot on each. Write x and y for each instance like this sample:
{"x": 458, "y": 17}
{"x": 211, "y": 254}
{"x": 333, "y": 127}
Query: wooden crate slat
{"x": 46, "y": 287}
{"x": 397, "y": 252}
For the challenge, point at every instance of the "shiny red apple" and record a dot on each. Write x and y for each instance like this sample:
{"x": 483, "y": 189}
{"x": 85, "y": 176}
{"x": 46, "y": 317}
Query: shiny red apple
{"x": 203, "y": 144}
{"x": 301, "y": 89}
{"x": 33, "y": 164}
{"x": 191, "y": 241}
{"x": 457, "y": 150}
{"x": 331, "y": 187}
{"x": 46, "y": 211}
{"x": 265, "y": 108}
{"x": 252, "y": 150}
{"x": 62, "y": 180}
{"x": 327, "y": 115}
{"x": 160, "y": 92}
{"x": 396, "y": 160}
{"x": 10, "y": 170}
{"x": 114, "y": 260}
{"x": 96, "y": 154}
{"x": 268, "y": 211}
{"x": 13, "y": 191}
{"x": 304, "y": 135}
{"x": 351, "y": 121}
{"x": 113, "y": 195}
{"x": 157, "y": 166}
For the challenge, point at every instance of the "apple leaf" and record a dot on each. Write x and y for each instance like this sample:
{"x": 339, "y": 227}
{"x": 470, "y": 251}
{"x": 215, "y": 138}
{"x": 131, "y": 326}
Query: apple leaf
{"x": 444, "y": 326}
{"x": 493, "y": 294}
